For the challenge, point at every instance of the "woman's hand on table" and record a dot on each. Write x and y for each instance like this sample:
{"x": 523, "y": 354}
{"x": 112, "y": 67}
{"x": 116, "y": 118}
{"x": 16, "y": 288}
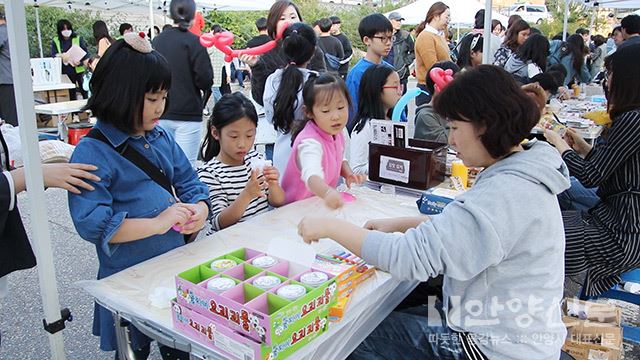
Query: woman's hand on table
{"x": 69, "y": 176}
{"x": 199, "y": 213}
{"x": 313, "y": 229}
{"x": 577, "y": 143}
{"x": 355, "y": 179}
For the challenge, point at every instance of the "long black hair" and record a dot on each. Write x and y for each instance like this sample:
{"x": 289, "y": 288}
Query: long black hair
{"x": 536, "y": 49}
{"x": 101, "y": 31}
{"x": 575, "y": 48}
{"x": 625, "y": 75}
{"x": 467, "y": 47}
{"x": 370, "y": 104}
{"x": 298, "y": 45}
{"x": 230, "y": 108}
{"x": 325, "y": 85}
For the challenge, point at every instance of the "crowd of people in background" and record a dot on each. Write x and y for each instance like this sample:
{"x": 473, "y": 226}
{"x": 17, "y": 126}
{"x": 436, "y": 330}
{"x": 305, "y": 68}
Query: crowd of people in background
{"x": 321, "y": 109}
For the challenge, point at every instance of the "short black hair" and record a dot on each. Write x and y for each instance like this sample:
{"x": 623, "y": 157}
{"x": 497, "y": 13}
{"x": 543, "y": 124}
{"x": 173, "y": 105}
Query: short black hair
{"x": 325, "y": 24}
{"x": 582, "y": 31}
{"x": 373, "y": 24}
{"x": 182, "y": 12}
{"x": 124, "y": 27}
{"x": 503, "y": 109}
{"x": 444, "y": 65}
{"x": 625, "y": 74}
{"x": 118, "y": 100}
{"x": 261, "y": 24}
{"x": 335, "y": 20}
{"x": 631, "y": 23}
{"x": 547, "y": 81}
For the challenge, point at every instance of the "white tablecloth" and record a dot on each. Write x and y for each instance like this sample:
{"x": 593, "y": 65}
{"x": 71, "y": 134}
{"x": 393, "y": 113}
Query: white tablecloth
{"x": 127, "y": 292}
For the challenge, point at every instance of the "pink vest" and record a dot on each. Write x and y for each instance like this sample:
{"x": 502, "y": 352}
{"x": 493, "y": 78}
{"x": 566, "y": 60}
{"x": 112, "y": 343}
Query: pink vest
{"x": 332, "y": 150}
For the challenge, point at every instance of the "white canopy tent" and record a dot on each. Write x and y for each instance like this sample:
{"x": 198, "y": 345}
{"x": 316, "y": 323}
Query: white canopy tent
{"x": 606, "y": 4}
{"x": 149, "y": 7}
{"x": 20, "y": 66}
{"x": 462, "y": 11}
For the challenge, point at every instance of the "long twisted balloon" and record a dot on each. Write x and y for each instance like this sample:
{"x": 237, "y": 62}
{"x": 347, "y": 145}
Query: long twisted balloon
{"x": 223, "y": 40}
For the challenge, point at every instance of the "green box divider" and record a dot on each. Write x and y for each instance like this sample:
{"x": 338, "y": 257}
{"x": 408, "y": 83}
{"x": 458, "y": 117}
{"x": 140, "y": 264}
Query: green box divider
{"x": 197, "y": 274}
{"x": 251, "y": 292}
{"x": 251, "y": 271}
{"x": 239, "y": 254}
{"x": 276, "y": 303}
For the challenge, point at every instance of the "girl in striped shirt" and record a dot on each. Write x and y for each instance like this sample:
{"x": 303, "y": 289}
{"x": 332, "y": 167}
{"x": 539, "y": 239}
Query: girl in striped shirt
{"x": 241, "y": 184}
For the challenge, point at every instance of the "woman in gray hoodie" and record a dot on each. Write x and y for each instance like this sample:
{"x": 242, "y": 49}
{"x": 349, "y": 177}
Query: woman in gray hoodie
{"x": 499, "y": 246}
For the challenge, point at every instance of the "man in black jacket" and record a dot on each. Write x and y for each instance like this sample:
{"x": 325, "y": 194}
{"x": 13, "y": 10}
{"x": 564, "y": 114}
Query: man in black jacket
{"x": 336, "y": 31}
{"x": 402, "y": 52}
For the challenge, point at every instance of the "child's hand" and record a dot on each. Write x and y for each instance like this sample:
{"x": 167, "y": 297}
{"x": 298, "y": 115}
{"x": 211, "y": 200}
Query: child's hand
{"x": 333, "y": 199}
{"x": 250, "y": 60}
{"x": 199, "y": 213}
{"x": 174, "y": 214}
{"x": 312, "y": 229}
{"x": 355, "y": 178}
{"x": 255, "y": 187}
{"x": 271, "y": 174}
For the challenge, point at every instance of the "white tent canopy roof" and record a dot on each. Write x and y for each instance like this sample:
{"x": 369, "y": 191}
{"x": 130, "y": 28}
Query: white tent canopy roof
{"x": 462, "y": 11}
{"x": 142, "y": 6}
{"x": 614, "y": 4}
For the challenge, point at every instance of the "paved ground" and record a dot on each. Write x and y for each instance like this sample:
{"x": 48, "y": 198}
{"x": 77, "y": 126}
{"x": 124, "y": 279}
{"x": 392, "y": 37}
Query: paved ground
{"x": 75, "y": 259}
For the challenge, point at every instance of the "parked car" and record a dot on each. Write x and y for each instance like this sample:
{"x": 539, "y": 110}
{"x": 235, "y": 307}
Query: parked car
{"x": 530, "y": 13}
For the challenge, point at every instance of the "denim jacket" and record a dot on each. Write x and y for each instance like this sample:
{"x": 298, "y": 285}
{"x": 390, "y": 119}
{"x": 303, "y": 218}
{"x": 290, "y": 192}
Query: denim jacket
{"x": 125, "y": 191}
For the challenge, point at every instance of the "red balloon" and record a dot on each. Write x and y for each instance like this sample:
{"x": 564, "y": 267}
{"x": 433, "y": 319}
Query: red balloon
{"x": 222, "y": 41}
{"x": 441, "y": 78}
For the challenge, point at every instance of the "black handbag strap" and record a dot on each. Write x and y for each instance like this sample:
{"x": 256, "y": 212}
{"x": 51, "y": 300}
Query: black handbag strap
{"x": 138, "y": 160}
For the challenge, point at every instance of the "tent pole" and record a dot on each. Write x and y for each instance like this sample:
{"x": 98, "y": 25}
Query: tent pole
{"x": 37, "y": 8}
{"x": 565, "y": 25}
{"x": 594, "y": 14}
{"x": 18, "y": 44}
{"x": 151, "y": 32}
{"x": 486, "y": 42}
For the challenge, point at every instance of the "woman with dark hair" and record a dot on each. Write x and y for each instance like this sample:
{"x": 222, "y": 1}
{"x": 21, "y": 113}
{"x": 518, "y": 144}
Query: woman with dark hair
{"x": 497, "y": 28}
{"x": 65, "y": 39}
{"x": 598, "y": 55}
{"x": 431, "y": 45}
{"x": 380, "y": 90}
{"x": 571, "y": 55}
{"x": 429, "y": 125}
{"x": 281, "y": 12}
{"x": 604, "y": 241}
{"x": 192, "y": 75}
{"x": 470, "y": 51}
{"x": 283, "y": 89}
{"x": 530, "y": 59}
{"x": 482, "y": 243}
{"x": 102, "y": 37}
{"x": 516, "y": 35}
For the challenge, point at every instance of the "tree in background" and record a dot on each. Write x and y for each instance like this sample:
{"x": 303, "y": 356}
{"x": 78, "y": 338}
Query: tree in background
{"x": 579, "y": 17}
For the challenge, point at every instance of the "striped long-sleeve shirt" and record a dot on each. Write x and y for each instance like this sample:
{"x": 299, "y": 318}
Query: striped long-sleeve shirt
{"x": 611, "y": 234}
{"x": 225, "y": 184}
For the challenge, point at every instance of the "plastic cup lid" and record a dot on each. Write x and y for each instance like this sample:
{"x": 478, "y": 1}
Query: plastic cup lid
{"x": 292, "y": 292}
{"x": 314, "y": 278}
{"x": 220, "y": 284}
{"x": 223, "y": 264}
{"x": 264, "y": 261}
{"x": 266, "y": 282}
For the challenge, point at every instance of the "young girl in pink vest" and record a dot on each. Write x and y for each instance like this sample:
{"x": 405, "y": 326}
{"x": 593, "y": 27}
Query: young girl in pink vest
{"x": 317, "y": 154}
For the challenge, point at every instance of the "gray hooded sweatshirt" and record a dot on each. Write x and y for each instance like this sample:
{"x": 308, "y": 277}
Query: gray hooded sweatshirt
{"x": 500, "y": 247}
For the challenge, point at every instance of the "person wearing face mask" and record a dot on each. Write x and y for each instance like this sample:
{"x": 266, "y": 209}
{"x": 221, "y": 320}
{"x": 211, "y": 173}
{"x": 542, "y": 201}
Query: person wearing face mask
{"x": 65, "y": 39}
